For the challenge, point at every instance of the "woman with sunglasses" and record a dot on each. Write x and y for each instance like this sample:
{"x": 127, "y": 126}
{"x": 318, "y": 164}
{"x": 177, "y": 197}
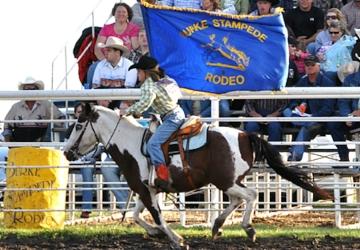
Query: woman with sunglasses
{"x": 338, "y": 51}
{"x": 324, "y": 38}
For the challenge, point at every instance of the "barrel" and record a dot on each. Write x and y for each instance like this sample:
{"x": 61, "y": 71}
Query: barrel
{"x": 37, "y": 188}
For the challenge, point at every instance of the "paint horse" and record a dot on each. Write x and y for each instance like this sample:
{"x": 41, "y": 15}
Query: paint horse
{"x": 224, "y": 161}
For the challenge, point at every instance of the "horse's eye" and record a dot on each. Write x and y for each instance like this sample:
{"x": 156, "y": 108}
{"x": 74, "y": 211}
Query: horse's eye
{"x": 78, "y": 127}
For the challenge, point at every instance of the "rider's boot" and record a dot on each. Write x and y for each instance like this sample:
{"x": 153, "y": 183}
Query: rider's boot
{"x": 162, "y": 173}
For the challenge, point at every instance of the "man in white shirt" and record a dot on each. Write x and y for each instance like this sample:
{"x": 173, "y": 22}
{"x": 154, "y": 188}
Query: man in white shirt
{"x": 112, "y": 72}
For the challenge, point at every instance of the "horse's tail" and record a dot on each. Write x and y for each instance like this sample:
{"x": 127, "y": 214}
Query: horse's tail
{"x": 264, "y": 150}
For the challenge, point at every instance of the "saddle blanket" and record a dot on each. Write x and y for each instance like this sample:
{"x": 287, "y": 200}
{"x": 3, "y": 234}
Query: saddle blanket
{"x": 198, "y": 140}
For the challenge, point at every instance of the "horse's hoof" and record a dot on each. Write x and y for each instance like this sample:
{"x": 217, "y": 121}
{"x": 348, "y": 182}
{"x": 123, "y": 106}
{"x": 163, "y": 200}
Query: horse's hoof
{"x": 217, "y": 234}
{"x": 251, "y": 233}
{"x": 156, "y": 233}
{"x": 180, "y": 246}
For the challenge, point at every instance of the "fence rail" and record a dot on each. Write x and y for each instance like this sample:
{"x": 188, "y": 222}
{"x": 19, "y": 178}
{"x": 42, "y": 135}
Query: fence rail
{"x": 276, "y": 193}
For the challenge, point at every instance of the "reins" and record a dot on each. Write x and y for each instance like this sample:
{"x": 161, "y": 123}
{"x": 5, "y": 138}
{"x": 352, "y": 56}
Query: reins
{"x": 112, "y": 134}
{"x": 77, "y": 143}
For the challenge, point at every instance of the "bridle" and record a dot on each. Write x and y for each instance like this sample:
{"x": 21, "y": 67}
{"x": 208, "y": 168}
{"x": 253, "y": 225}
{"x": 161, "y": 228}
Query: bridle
{"x": 75, "y": 148}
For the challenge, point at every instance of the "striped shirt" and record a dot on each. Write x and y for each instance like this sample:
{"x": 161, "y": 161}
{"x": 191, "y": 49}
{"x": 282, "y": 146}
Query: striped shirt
{"x": 152, "y": 95}
{"x": 266, "y": 106}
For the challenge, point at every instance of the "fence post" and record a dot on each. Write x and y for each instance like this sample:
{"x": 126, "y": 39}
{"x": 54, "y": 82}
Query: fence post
{"x": 337, "y": 200}
{"x": 182, "y": 209}
{"x": 72, "y": 197}
{"x": 214, "y": 192}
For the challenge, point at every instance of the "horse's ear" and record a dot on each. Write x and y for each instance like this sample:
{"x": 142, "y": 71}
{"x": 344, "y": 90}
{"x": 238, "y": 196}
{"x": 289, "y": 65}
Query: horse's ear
{"x": 88, "y": 108}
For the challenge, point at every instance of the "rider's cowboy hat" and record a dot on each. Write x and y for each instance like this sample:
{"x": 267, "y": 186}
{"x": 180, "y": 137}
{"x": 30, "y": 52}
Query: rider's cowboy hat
{"x": 31, "y": 81}
{"x": 116, "y": 43}
{"x": 145, "y": 63}
{"x": 347, "y": 69}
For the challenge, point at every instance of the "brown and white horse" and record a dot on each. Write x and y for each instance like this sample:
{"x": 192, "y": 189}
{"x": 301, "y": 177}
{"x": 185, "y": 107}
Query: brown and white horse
{"x": 223, "y": 161}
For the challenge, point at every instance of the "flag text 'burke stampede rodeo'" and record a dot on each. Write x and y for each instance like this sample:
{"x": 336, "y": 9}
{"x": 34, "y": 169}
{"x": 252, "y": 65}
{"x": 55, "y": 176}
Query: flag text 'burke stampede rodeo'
{"x": 218, "y": 53}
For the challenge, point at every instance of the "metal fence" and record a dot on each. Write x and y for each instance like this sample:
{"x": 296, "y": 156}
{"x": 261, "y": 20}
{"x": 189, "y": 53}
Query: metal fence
{"x": 275, "y": 194}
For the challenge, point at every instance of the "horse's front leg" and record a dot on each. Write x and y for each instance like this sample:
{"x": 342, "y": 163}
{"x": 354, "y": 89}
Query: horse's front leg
{"x": 150, "y": 230}
{"x": 150, "y": 201}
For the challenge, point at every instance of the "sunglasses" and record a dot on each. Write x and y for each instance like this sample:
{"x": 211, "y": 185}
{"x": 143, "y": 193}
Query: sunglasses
{"x": 331, "y": 17}
{"x": 334, "y": 32}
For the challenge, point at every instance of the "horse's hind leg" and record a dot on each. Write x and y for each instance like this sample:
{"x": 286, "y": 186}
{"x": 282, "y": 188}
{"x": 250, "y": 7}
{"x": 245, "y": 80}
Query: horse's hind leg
{"x": 249, "y": 196}
{"x": 150, "y": 230}
{"x": 218, "y": 223}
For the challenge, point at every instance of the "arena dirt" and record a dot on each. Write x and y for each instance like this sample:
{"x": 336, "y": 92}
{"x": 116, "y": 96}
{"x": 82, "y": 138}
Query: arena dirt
{"x": 137, "y": 242}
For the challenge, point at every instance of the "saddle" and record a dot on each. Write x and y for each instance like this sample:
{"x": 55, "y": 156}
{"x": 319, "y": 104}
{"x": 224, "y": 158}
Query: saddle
{"x": 190, "y": 136}
{"x": 191, "y": 127}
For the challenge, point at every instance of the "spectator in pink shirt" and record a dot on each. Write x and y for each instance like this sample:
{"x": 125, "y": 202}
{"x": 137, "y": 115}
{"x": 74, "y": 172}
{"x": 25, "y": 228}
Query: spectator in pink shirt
{"x": 123, "y": 28}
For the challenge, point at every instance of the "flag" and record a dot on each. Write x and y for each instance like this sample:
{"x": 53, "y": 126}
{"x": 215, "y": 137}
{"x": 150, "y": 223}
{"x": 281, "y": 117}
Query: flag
{"x": 218, "y": 53}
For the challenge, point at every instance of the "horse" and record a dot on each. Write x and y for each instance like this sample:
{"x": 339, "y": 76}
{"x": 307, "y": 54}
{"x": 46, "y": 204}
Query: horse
{"x": 224, "y": 161}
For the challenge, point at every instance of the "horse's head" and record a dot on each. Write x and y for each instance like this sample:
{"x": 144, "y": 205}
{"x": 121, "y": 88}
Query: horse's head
{"x": 83, "y": 137}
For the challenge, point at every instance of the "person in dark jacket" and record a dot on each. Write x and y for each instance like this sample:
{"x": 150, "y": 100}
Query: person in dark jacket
{"x": 316, "y": 108}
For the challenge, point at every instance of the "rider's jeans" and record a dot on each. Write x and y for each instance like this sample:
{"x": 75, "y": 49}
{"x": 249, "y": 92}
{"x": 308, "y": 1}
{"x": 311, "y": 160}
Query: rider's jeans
{"x": 171, "y": 123}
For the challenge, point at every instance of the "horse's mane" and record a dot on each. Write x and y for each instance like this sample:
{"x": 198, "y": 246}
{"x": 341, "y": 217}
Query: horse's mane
{"x": 129, "y": 119}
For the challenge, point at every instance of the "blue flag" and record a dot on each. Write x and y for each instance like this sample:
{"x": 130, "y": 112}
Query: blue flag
{"x": 218, "y": 53}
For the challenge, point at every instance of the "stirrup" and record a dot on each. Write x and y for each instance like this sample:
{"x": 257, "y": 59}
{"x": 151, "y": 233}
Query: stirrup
{"x": 152, "y": 176}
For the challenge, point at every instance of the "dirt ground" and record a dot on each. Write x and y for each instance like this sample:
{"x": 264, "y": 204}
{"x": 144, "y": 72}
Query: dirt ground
{"x": 137, "y": 242}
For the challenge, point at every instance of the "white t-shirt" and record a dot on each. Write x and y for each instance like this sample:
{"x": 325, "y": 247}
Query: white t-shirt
{"x": 106, "y": 73}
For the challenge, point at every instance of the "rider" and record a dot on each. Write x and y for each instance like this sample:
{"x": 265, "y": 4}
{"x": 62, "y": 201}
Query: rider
{"x": 161, "y": 93}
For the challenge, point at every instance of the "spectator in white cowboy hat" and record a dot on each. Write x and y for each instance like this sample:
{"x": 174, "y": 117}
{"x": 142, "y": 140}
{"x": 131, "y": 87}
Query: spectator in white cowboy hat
{"x": 112, "y": 72}
{"x": 30, "y": 110}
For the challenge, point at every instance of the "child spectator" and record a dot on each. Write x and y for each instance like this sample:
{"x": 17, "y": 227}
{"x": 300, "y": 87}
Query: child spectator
{"x": 297, "y": 55}
{"x": 143, "y": 48}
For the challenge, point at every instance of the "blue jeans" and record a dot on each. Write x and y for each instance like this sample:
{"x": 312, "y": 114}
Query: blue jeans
{"x": 90, "y": 75}
{"x": 3, "y": 157}
{"x": 274, "y": 129}
{"x": 307, "y": 132}
{"x": 87, "y": 195}
{"x": 171, "y": 123}
{"x": 205, "y": 108}
{"x": 224, "y": 108}
{"x": 112, "y": 174}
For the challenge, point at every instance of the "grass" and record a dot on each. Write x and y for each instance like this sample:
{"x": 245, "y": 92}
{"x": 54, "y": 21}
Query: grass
{"x": 106, "y": 231}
